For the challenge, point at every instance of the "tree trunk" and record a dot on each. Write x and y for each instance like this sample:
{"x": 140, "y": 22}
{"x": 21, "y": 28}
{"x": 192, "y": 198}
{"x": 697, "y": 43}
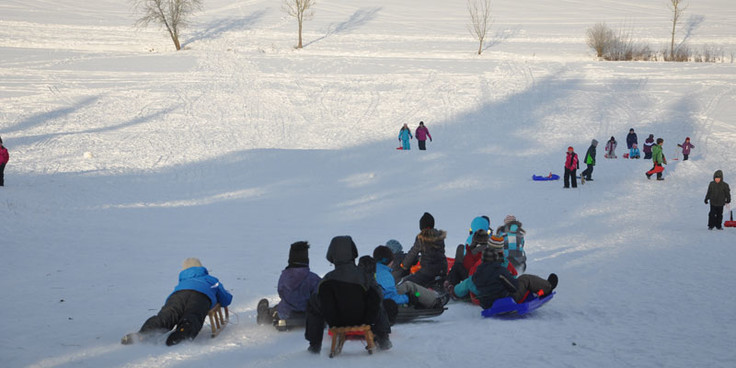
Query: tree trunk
{"x": 300, "y": 35}
{"x": 480, "y": 46}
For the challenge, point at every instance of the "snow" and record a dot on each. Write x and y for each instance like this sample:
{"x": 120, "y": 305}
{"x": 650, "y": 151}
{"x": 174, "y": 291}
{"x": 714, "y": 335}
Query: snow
{"x": 128, "y": 157}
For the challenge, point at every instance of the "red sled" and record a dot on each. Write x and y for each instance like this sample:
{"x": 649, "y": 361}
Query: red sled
{"x": 399, "y": 148}
{"x": 731, "y": 223}
{"x": 626, "y": 155}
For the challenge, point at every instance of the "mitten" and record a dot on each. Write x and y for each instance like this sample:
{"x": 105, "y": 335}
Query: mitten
{"x": 706, "y": 201}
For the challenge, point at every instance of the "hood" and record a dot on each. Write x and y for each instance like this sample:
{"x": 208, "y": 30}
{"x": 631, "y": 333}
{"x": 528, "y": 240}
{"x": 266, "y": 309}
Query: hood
{"x": 718, "y": 174}
{"x": 192, "y": 272}
{"x": 594, "y": 143}
{"x": 433, "y": 237}
{"x": 342, "y": 250}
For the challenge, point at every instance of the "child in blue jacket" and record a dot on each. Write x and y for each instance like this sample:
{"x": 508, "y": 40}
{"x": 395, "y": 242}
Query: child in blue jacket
{"x": 186, "y": 308}
{"x": 404, "y": 137}
{"x": 405, "y": 293}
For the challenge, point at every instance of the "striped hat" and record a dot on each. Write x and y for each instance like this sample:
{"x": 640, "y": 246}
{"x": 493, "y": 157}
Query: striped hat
{"x": 494, "y": 250}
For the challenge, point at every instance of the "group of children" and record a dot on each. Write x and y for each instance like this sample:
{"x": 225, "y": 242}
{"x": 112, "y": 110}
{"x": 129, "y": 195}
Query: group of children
{"x": 487, "y": 266}
{"x": 422, "y": 133}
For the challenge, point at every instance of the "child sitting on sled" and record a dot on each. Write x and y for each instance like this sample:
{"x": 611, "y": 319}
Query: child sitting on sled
{"x": 634, "y": 152}
{"x": 493, "y": 281}
{"x": 406, "y": 292}
{"x": 468, "y": 255}
{"x": 611, "y": 148}
{"x": 429, "y": 250}
{"x": 296, "y": 285}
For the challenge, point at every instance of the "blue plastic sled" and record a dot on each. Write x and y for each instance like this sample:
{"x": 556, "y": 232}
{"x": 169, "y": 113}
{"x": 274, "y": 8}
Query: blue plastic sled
{"x": 545, "y": 178}
{"x": 507, "y": 305}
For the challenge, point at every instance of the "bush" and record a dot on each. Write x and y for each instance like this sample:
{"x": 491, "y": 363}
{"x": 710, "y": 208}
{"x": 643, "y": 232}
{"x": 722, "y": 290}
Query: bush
{"x": 599, "y": 37}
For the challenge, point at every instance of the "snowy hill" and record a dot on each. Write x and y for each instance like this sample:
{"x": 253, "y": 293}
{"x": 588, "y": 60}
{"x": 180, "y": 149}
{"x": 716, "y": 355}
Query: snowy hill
{"x": 127, "y": 157}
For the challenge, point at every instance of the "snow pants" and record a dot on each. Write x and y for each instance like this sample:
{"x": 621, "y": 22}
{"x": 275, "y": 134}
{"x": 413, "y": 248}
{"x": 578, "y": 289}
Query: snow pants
{"x": 657, "y": 168}
{"x": 422, "y": 145}
{"x": 715, "y": 217}
{"x": 2, "y": 175}
{"x": 183, "y": 308}
{"x": 587, "y": 172}
{"x": 530, "y": 283}
{"x": 571, "y": 175}
{"x": 405, "y": 145}
{"x": 425, "y": 297}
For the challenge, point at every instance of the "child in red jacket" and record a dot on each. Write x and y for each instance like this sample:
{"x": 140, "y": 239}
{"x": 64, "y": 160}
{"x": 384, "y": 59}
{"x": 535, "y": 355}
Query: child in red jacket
{"x": 4, "y": 157}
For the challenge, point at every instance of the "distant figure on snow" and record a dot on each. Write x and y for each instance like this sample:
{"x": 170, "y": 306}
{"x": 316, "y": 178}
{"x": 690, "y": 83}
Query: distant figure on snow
{"x": 658, "y": 159}
{"x": 422, "y": 133}
{"x": 648, "y": 143}
{"x": 686, "y": 147}
{"x": 634, "y": 152}
{"x": 719, "y": 194}
{"x": 571, "y": 167}
{"x": 631, "y": 139}
{"x": 404, "y": 137}
{"x": 587, "y": 174}
{"x": 4, "y": 157}
{"x": 611, "y": 148}
{"x": 186, "y": 308}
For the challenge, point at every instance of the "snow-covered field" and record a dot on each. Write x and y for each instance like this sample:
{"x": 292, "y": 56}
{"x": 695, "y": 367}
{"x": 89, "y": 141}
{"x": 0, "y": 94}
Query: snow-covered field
{"x": 127, "y": 157}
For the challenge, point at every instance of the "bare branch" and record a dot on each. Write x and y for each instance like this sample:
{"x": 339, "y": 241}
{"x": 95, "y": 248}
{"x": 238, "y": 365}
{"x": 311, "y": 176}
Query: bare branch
{"x": 172, "y": 15}
{"x": 480, "y": 20}
{"x": 301, "y": 10}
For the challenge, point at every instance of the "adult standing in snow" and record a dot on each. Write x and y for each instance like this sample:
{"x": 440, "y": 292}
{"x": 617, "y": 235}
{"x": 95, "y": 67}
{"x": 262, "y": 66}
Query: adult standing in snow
{"x": 404, "y": 137}
{"x": 4, "y": 157}
{"x": 347, "y": 296}
{"x": 648, "y": 143}
{"x": 422, "y": 133}
{"x": 571, "y": 167}
{"x": 611, "y": 148}
{"x": 658, "y": 159}
{"x": 186, "y": 308}
{"x": 631, "y": 139}
{"x": 590, "y": 161}
{"x": 719, "y": 194}
{"x": 686, "y": 147}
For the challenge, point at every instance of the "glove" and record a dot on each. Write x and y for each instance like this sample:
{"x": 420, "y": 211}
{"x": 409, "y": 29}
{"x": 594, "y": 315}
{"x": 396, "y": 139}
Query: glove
{"x": 706, "y": 201}
{"x": 399, "y": 139}
{"x": 430, "y": 139}
{"x": 413, "y": 300}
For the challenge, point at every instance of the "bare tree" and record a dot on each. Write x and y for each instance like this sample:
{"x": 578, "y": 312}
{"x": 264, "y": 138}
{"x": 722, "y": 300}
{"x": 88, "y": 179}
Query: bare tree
{"x": 480, "y": 20}
{"x": 677, "y": 7}
{"x": 301, "y": 10}
{"x": 171, "y": 14}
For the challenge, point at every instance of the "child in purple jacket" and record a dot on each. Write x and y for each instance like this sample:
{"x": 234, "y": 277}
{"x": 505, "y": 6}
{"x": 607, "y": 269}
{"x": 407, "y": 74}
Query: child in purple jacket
{"x": 296, "y": 285}
{"x": 686, "y": 147}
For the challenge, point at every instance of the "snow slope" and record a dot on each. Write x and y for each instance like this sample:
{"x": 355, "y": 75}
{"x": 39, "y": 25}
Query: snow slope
{"x": 127, "y": 157}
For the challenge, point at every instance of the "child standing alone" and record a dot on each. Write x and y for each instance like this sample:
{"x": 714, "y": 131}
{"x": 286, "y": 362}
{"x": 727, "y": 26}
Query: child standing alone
{"x": 719, "y": 193}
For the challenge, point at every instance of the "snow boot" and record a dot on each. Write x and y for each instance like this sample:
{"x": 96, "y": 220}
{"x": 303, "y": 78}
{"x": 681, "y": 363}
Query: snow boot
{"x": 552, "y": 278}
{"x": 263, "y": 317}
{"x": 383, "y": 342}
{"x": 314, "y": 349}
{"x": 182, "y": 332}
{"x": 131, "y": 338}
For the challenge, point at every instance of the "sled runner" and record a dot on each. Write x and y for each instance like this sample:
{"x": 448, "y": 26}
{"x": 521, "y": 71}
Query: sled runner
{"x": 340, "y": 334}
{"x": 551, "y": 176}
{"x": 288, "y": 324}
{"x": 411, "y": 313}
{"x": 507, "y": 306}
{"x": 218, "y": 320}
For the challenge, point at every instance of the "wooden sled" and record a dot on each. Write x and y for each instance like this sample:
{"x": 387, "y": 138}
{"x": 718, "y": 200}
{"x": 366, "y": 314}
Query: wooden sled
{"x": 340, "y": 334}
{"x": 217, "y": 319}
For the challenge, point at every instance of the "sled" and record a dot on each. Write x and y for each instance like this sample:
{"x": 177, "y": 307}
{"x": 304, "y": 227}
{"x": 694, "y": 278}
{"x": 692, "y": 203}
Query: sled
{"x": 507, "y": 306}
{"x": 399, "y": 148}
{"x": 340, "y": 334}
{"x": 218, "y": 320}
{"x": 626, "y": 155}
{"x": 551, "y": 176}
{"x": 411, "y": 313}
{"x": 731, "y": 223}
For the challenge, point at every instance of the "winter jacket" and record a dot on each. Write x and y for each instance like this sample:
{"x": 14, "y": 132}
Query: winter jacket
{"x": 634, "y": 153}
{"x": 513, "y": 246}
{"x": 718, "y": 193}
{"x": 388, "y": 284}
{"x": 657, "y": 155}
{"x": 296, "y": 285}
{"x": 430, "y": 244}
{"x": 489, "y": 285}
{"x": 571, "y": 161}
{"x": 422, "y": 133}
{"x": 197, "y": 279}
{"x": 631, "y": 140}
{"x": 611, "y": 148}
{"x": 590, "y": 154}
{"x": 4, "y": 156}
{"x": 648, "y": 143}
{"x": 686, "y": 146}
{"x": 347, "y": 297}
{"x": 405, "y": 134}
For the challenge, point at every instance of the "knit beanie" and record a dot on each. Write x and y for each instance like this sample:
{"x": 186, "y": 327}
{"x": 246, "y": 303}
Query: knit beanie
{"x": 383, "y": 254}
{"x": 508, "y": 219}
{"x": 426, "y": 222}
{"x": 494, "y": 250}
{"x": 191, "y": 262}
{"x": 299, "y": 254}
{"x": 570, "y": 148}
{"x": 394, "y": 245}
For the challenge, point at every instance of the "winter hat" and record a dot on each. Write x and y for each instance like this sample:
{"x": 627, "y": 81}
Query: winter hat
{"x": 383, "y": 254}
{"x": 651, "y": 136}
{"x": 570, "y": 149}
{"x": 718, "y": 174}
{"x": 686, "y": 138}
{"x": 494, "y": 250}
{"x": 299, "y": 254}
{"x": 633, "y": 145}
{"x": 426, "y": 222}
{"x": 594, "y": 142}
{"x": 480, "y": 223}
{"x": 394, "y": 245}
{"x": 631, "y": 130}
{"x": 421, "y": 123}
{"x": 508, "y": 219}
{"x": 191, "y": 262}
